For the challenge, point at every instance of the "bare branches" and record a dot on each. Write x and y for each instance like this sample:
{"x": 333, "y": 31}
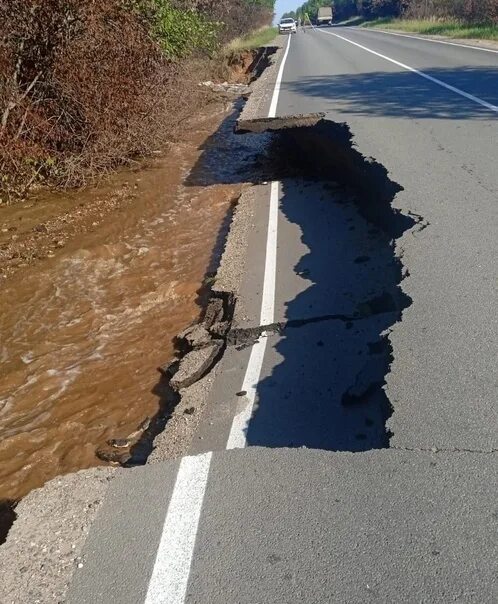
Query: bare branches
{"x": 84, "y": 87}
{"x": 13, "y": 104}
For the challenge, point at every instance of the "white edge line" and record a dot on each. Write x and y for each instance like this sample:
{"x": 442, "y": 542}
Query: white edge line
{"x": 276, "y": 91}
{"x": 168, "y": 583}
{"x": 468, "y": 96}
{"x": 268, "y": 297}
{"x": 424, "y": 39}
{"x": 169, "y": 579}
{"x": 237, "y": 438}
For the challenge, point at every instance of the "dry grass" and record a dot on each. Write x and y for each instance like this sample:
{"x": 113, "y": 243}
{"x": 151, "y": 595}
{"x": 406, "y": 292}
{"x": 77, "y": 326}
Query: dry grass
{"x": 82, "y": 93}
{"x": 444, "y": 27}
{"x": 260, "y": 38}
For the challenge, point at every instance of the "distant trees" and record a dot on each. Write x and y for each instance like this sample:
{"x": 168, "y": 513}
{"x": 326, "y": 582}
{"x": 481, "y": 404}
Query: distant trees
{"x": 476, "y": 11}
{"x": 311, "y": 8}
{"x": 343, "y": 9}
{"x": 379, "y": 8}
{"x": 290, "y": 15}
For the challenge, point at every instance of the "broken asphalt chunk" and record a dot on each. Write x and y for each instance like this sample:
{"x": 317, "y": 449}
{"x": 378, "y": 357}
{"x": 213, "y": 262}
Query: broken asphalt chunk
{"x": 195, "y": 365}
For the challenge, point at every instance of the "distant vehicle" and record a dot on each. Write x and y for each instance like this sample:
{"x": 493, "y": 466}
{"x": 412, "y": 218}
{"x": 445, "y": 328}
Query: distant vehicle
{"x": 325, "y": 15}
{"x": 287, "y": 26}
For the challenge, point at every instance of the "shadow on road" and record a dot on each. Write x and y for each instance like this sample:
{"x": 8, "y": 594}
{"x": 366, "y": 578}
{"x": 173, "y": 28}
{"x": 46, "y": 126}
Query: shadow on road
{"x": 401, "y": 93}
{"x": 325, "y": 388}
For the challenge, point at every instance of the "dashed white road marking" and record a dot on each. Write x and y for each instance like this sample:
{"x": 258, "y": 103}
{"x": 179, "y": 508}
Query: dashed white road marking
{"x": 423, "y": 39}
{"x": 168, "y": 583}
{"x": 462, "y": 93}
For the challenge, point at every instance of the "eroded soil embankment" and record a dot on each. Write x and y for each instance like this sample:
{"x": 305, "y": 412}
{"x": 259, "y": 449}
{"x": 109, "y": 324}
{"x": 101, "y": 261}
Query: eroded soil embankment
{"x": 113, "y": 275}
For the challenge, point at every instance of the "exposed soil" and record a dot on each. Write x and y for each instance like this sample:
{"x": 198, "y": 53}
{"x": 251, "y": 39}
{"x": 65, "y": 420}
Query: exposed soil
{"x": 95, "y": 285}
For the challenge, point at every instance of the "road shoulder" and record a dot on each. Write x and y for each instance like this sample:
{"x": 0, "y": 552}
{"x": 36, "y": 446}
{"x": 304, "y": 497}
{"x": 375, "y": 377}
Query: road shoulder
{"x": 43, "y": 548}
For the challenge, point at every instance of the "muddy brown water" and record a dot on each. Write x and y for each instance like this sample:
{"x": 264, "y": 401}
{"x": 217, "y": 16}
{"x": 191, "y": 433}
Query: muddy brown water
{"x": 83, "y": 332}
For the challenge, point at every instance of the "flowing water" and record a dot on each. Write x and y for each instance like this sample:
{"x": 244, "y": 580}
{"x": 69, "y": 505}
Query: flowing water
{"x": 83, "y": 332}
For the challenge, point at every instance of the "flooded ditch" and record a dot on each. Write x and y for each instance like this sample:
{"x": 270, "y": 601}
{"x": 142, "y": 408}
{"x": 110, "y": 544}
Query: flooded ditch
{"x": 85, "y": 328}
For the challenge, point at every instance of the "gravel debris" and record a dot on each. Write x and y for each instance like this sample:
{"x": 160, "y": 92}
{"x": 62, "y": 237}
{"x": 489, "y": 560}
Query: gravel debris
{"x": 44, "y": 546}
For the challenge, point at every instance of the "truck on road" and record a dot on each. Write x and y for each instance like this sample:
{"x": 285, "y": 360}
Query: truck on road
{"x": 325, "y": 15}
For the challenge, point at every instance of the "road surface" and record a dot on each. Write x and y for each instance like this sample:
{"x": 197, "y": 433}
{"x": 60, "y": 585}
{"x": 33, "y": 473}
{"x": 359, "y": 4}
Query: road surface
{"x": 398, "y": 512}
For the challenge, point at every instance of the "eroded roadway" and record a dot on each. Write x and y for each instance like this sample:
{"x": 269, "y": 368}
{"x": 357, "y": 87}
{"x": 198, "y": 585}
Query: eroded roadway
{"x": 353, "y": 522}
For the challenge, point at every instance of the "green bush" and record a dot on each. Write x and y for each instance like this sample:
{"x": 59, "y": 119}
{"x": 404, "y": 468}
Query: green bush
{"x": 181, "y": 32}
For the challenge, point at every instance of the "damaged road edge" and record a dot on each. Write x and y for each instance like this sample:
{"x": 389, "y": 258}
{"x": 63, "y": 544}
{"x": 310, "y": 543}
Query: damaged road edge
{"x": 320, "y": 149}
{"x": 202, "y": 343}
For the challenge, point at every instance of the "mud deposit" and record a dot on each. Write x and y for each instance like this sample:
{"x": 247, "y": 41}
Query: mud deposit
{"x": 107, "y": 279}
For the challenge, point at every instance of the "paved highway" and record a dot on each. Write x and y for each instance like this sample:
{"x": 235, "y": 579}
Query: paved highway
{"x": 441, "y": 147}
{"x": 354, "y": 521}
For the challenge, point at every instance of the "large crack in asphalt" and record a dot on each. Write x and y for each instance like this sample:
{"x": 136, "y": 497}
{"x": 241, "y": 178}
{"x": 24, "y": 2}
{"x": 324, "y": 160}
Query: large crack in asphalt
{"x": 246, "y": 336}
{"x": 320, "y": 150}
{"x": 317, "y": 149}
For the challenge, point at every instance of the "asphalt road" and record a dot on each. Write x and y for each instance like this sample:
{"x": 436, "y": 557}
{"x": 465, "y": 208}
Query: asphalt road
{"x": 284, "y": 526}
{"x": 355, "y": 521}
{"x": 442, "y": 149}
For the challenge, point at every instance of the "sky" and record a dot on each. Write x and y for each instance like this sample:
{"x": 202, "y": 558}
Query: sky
{"x": 283, "y": 6}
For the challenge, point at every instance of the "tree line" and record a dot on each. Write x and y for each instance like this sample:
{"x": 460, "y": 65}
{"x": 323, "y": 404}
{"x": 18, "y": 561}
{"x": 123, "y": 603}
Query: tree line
{"x": 470, "y": 11}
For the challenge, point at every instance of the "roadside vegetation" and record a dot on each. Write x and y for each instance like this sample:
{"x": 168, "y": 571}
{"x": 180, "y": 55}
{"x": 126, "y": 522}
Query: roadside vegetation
{"x": 454, "y": 29}
{"x": 87, "y": 86}
{"x": 456, "y": 18}
{"x": 255, "y": 40}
